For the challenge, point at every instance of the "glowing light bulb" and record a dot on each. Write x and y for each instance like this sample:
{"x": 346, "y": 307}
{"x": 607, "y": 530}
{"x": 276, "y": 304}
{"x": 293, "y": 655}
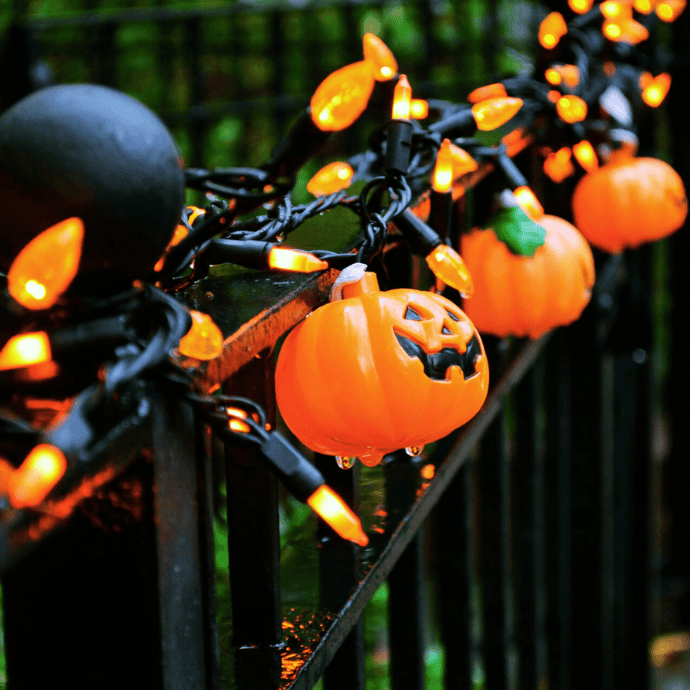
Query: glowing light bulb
{"x": 552, "y": 76}
{"x": 448, "y": 266}
{"x": 580, "y": 6}
{"x": 46, "y": 266}
{"x": 332, "y": 510}
{"x": 330, "y": 179}
{"x": 203, "y": 340}
{"x": 643, "y": 6}
{"x": 552, "y": 29}
{"x": 288, "y": 259}
{"x": 655, "y": 91}
{"x": 463, "y": 163}
{"x": 585, "y": 155}
{"x": 528, "y": 202}
{"x": 615, "y": 9}
{"x": 625, "y": 31}
{"x": 380, "y": 56}
{"x": 419, "y": 108}
{"x": 402, "y": 97}
{"x": 645, "y": 79}
{"x": 342, "y": 96}
{"x": 442, "y": 177}
{"x": 558, "y": 165}
{"x": 670, "y": 10}
{"x": 38, "y": 474}
{"x": 571, "y": 109}
{"x": 494, "y": 112}
{"x": 239, "y": 426}
{"x": 488, "y": 91}
{"x": 24, "y": 350}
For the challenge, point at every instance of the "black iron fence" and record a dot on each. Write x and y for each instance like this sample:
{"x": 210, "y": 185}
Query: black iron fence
{"x": 541, "y": 545}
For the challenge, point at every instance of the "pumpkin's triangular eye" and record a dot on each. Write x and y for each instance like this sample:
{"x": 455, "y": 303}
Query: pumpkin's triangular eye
{"x": 452, "y": 316}
{"x": 446, "y": 330}
{"x": 412, "y": 315}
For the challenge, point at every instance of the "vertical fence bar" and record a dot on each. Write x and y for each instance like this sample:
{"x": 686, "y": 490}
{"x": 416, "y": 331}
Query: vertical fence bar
{"x": 493, "y": 495}
{"x": 405, "y": 585}
{"x": 528, "y": 518}
{"x": 339, "y": 573}
{"x": 453, "y": 538}
{"x": 187, "y": 608}
{"x": 254, "y": 543}
{"x": 557, "y": 510}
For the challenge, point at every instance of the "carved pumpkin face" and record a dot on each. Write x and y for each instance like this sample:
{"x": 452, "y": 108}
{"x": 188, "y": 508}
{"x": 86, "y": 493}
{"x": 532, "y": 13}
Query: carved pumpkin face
{"x": 379, "y": 371}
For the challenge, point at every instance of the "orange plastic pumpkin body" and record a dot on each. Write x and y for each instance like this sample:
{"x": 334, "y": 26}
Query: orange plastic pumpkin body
{"x": 523, "y": 295}
{"x": 629, "y": 202}
{"x": 380, "y": 371}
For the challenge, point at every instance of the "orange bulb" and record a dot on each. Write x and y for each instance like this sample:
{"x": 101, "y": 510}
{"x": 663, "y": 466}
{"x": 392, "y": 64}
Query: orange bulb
{"x": 402, "y": 98}
{"x": 38, "y": 474}
{"x": 203, "y": 340}
{"x": 552, "y": 76}
{"x": 571, "y": 109}
{"x": 656, "y": 90}
{"x": 485, "y": 92}
{"x": 46, "y": 266}
{"x": 463, "y": 163}
{"x": 669, "y": 10}
{"x": 342, "y": 96}
{"x": 554, "y": 95}
{"x": 609, "y": 68}
{"x": 448, "y": 266}
{"x": 528, "y": 202}
{"x": 330, "y": 179}
{"x": 625, "y": 31}
{"x": 585, "y": 155}
{"x": 442, "y": 177}
{"x": 580, "y": 6}
{"x": 419, "y": 108}
{"x": 643, "y": 6}
{"x": 333, "y": 510}
{"x": 552, "y": 29}
{"x": 558, "y": 165}
{"x": 380, "y": 56}
{"x": 494, "y": 112}
{"x": 24, "y": 350}
{"x": 615, "y": 9}
{"x": 288, "y": 259}
{"x": 239, "y": 426}
{"x": 645, "y": 79}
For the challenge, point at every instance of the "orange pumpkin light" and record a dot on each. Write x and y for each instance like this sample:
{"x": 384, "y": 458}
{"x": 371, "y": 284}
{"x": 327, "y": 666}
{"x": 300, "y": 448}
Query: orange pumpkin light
{"x": 528, "y": 295}
{"x": 379, "y": 371}
{"x": 585, "y": 155}
{"x": 628, "y": 202}
{"x": 342, "y": 96}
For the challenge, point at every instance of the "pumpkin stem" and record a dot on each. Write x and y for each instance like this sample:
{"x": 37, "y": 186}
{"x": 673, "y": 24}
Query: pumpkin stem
{"x": 515, "y": 229}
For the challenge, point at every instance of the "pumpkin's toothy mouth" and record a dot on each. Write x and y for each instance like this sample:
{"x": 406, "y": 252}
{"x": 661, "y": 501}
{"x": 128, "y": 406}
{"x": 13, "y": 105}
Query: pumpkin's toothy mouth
{"x": 436, "y": 365}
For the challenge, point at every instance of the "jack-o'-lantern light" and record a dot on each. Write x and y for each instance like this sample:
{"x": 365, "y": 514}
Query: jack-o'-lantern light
{"x": 377, "y": 371}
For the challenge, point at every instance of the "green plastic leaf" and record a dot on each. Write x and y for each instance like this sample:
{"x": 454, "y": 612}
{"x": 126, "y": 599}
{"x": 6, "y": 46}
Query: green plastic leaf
{"x": 520, "y": 234}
